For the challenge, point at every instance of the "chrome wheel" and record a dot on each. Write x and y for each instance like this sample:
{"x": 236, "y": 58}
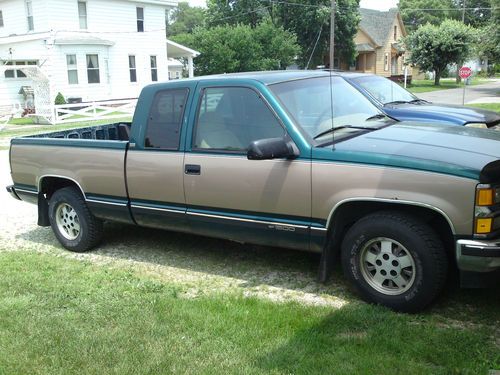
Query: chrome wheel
{"x": 387, "y": 266}
{"x": 67, "y": 221}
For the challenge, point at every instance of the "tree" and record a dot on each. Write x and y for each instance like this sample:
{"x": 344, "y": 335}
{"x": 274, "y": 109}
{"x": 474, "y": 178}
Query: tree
{"x": 234, "y": 12}
{"x": 184, "y": 19}
{"x": 477, "y": 12}
{"x": 434, "y": 47}
{"x": 240, "y": 48}
{"x": 416, "y": 13}
{"x": 489, "y": 36}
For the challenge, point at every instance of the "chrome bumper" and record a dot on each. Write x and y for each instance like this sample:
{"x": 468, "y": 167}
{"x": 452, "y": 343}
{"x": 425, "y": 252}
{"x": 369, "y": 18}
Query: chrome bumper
{"x": 12, "y": 191}
{"x": 478, "y": 256}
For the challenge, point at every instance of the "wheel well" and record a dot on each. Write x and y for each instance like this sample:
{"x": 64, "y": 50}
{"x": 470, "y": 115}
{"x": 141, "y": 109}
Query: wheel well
{"x": 348, "y": 213}
{"x": 49, "y": 185}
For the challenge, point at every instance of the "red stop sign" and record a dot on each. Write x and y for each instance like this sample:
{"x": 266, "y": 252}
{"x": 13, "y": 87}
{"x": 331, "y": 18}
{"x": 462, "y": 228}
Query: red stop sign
{"x": 465, "y": 72}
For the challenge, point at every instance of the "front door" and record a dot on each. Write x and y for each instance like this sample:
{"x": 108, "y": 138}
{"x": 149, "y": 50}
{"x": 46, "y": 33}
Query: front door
{"x": 229, "y": 196}
{"x": 394, "y": 65}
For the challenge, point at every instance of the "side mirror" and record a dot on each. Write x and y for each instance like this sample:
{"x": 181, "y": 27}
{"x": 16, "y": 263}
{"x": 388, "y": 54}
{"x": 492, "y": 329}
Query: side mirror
{"x": 272, "y": 148}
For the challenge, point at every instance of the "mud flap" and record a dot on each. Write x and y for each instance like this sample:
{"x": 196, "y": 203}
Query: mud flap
{"x": 43, "y": 211}
{"x": 327, "y": 262}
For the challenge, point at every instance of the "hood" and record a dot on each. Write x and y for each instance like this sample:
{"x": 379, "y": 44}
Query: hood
{"x": 431, "y": 112}
{"x": 454, "y": 150}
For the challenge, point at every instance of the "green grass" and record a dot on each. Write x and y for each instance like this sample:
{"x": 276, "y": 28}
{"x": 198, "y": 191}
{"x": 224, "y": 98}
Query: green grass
{"x": 64, "y": 316}
{"x": 22, "y": 121}
{"x": 490, "y": 106}
{"x": 419, "y": 86}
{"x": 21, "y": 130}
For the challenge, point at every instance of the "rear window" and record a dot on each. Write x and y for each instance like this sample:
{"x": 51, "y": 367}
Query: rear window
{"x": 165, "y": 119}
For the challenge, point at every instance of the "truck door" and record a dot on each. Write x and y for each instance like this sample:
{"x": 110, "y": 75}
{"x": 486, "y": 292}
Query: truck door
{"x": 154, "y": 166}
{"x": 229, "y": 196}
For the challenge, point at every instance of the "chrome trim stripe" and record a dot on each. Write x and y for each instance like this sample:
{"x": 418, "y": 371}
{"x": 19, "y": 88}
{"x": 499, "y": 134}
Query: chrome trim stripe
{"x": 181, "y": 211}
{"x": 386, "y": 200}
{"x": 27, "y": 191}
{"x": 247, "y": 220}
{"x": 320, "y": 229}
{"x": 106, "y": 202}
{"x": 40, "y": 179}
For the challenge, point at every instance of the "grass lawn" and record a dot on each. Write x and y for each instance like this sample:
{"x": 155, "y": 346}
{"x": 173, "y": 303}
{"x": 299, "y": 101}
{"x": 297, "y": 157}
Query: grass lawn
{"x": 67, "y": 316}
{"x": 418, "y": 86}
{"x": 490, "y": 106}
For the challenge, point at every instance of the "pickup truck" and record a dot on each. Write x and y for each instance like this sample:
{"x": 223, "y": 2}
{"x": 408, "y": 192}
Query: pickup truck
{"x": 299, "y": 160}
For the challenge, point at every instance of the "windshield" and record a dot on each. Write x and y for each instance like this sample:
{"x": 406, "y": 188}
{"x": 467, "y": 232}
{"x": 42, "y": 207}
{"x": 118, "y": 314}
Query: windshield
{"x": 309, "y": 101}
{"x": 384, "y": 90}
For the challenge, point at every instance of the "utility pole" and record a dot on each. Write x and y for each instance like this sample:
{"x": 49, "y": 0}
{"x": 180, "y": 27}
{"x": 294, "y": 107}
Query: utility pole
{"x": 332, "y": 35}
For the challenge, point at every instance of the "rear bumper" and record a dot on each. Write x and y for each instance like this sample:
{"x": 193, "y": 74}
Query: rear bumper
{"x": 477, "y": 255}
{"x": 12, "y": 191}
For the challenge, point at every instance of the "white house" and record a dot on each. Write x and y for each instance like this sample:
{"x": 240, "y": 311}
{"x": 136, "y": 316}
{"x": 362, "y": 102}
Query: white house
{"x": 88, "y": 49}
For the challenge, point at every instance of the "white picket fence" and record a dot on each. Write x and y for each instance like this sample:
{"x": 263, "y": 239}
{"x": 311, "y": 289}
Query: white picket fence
{"x": 89, "y": 111}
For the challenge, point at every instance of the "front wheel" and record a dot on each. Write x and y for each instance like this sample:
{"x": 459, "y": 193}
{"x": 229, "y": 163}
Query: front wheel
{"x": 395, "y": 260}
{"x": 75, "y": 227}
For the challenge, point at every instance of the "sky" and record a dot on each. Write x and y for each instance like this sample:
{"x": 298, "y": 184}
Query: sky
{"x": 370, "y": 4}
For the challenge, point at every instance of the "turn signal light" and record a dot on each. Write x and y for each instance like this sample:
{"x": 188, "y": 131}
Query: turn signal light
{"x": 485, "y": 197}
{"x": 484, "y": 225}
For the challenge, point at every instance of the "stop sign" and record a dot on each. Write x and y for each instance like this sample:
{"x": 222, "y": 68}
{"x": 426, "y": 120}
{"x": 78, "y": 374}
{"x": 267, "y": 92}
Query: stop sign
{"x": 465, "y": 72}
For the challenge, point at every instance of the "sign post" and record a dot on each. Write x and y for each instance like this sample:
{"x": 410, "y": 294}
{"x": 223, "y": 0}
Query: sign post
{"x": 464, "y": 73}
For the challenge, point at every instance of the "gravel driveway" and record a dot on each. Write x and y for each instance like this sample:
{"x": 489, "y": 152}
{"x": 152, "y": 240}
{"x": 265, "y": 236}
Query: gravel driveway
{"x": 202, "y": 265}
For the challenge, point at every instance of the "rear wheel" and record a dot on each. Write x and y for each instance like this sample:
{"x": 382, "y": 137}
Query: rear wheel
{"x": 395, "y": 260}
{"x": 75, "y": 227}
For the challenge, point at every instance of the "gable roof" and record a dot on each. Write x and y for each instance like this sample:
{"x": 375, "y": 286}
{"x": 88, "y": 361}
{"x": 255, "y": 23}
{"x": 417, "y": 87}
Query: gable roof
{"x": 377, "y": 24}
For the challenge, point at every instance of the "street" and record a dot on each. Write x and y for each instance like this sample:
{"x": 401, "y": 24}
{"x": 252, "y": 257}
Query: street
{"x": 484, "y": 93}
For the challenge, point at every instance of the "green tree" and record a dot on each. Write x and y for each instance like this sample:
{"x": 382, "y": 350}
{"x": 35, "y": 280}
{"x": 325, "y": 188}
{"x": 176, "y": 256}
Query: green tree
{"x": 184, "y": 19}
{"x": 477, "y": 12}
{"x": 233, "y": 12}
{"x": 434, "y": 47}
{"x": 489, "y": 46}
{"x": 240, "y": 48}
{"x": 417, "y": 13}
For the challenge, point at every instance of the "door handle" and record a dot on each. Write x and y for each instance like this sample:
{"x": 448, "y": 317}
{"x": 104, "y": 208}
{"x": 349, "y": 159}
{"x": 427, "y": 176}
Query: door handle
{"x": 192, "y": 169}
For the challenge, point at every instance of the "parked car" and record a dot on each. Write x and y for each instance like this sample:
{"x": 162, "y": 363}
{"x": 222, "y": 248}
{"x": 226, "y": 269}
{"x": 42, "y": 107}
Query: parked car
{"x": 265, "y": 158}
{"x": 402, "y": 105}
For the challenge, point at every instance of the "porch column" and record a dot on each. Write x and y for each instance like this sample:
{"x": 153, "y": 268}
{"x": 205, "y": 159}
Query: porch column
{"x": 364, "y": 62}
{"x": 190, "y": 67}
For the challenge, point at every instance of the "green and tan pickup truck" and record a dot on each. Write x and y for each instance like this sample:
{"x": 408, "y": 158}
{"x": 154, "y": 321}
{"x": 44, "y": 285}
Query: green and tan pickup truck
{"x": 299, "y": 160}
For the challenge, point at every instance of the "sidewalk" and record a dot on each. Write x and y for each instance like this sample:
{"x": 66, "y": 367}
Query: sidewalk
{"x": 483, "y": 93}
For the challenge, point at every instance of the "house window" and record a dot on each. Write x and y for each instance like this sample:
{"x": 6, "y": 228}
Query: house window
{"x": 177, "y": 75}
{"x": 82, "y": 14}
{"x": 386, "y": 61}
{"x": 1, "y": 19}
{"x": 154, "y": 69}
{"x": 93, "y": 69}
{"x": 395, "y": 33}
{"x": 29, "y": 15}
{"x": 72, "y": 69}
{"x": 140, "y": 19}
{"x": 11, "y": 73}
{"x": 132, "y": 68}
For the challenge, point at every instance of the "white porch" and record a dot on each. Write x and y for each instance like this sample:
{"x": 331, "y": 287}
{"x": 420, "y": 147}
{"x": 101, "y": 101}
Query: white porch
{"x": 177, "y": 51}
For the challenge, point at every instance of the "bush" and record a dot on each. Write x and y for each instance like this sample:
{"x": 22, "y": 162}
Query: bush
{"x": 59, "y": 99}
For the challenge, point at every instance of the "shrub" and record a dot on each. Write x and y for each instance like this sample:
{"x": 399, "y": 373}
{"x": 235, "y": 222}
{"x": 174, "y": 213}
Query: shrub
{"x": 59, "y": 99}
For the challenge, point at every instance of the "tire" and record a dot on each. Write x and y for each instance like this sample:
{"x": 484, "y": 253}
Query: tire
{"x": 395, "y": 260}
{"x": 75, "y": 227}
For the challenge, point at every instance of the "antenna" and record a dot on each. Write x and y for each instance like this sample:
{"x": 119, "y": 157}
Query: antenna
{"x": 332, "y": 66}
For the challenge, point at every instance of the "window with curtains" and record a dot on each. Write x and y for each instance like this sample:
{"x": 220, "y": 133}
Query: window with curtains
{"x": 154, "y": 69}
{"x": 93, "y": 69}
{"x": 72, "y": 69}
{"x": 1, "y": 19}
{"x": 82, "y": 14}
{"x": 29, "y": 15}
{"x": 140, "y": 19}
{"x": 132, "y": 68}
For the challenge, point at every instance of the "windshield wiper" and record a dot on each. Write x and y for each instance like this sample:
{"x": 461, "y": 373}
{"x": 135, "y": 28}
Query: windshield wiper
{"x": 397, "y": 102}
{"x": 418, "y": 101}
{"x": 331, "y": 130}
{"x": 378, "y": 116}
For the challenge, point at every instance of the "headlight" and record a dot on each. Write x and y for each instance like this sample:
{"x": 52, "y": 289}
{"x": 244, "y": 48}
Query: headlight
{"x": 487, "y": 196}
{"x": 487, "y": 215}
{"x": 480, "y": 125}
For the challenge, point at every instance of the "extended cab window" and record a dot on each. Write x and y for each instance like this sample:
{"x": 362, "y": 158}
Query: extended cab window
{"x": 165, "y": 119}
{"x": 230, "y": 118}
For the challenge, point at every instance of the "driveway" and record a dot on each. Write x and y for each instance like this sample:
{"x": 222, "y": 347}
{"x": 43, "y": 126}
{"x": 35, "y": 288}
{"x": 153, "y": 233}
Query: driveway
{"x": 484, "y": 93}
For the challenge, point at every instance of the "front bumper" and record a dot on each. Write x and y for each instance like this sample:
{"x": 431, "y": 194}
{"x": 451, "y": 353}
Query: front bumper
{"x": 12, "y": 191}
{"x": 478, "y": 255}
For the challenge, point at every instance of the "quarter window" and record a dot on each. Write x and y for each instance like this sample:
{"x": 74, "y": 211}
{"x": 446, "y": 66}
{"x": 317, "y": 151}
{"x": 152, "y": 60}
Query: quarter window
{"x": 72, "y": 69}
{"x": 154, "y": 69}
{"x": 140, "y": 19}
{"x": 29, "y": 15}
{"x": 93, "y": 69}
{"x": 132, "y": 69}
{"x": 82, "y": 14}
{"x": 230, "y": 118}
{"x": 165, "y": 119}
